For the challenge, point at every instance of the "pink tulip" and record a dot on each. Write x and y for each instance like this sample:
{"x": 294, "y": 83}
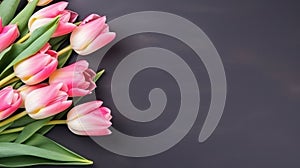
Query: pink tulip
{"x": 10, "y": 102}
{"x": 90, "y": 119}
{"x": 91, "y": 35}
{"x": 46, "y": 14}
{"x": 38, "y": 67}
{"x": 47, "y": 101}
{"x": 26, "y": 89}
{"x": 77, "y": 77}
{"x": 8, "y": 34}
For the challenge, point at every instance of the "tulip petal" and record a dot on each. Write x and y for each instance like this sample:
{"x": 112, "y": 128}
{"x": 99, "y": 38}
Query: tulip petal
{"x": 84, "y": 34}
{"x": 83, "y": 109}
{"x": 8, "y": 35}
{"x": 39, "y": 98}
{"x": 101, "y": 132}
{"x": 76, "y": 92}
{"x": 51, "y": 10}
{"x": 51, "y": 110}
{"x": 43, "y": 74}
{"x": 64, "y": 28}
{"x": 98, "y": 43}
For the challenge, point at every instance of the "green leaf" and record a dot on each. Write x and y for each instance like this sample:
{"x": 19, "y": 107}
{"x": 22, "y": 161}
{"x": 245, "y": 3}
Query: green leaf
{"x": 26, "y": 161}
{"x": 59, "y": 116}
{"x": 31, "y": 129}
{"x": 22, "y": 18}
{"x": 8, "y": 137}
{"x": 22, "y": 122}
{"x": 98, "y": 75}
{"x": 19, "y": 52}
{"x": 8, "y": 9}
{"x": 36, "y": 151}
{"x": 4, "y": 127}
{"x": 62, "y": 59}
{"x": 58, "y": 41}
{"x": 2, "y": 54}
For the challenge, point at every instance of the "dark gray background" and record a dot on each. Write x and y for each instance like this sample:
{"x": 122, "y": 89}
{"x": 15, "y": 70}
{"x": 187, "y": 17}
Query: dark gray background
{"x": 258, "y": 41}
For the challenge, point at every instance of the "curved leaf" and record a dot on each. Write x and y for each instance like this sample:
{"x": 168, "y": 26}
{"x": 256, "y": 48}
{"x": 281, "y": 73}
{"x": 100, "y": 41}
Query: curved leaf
{"x": 30, "y": 129}
{"x": 38, "y": 150}
{"x": 19, "y": 52}
{"x": 8, "y": 9}
{"x": 22, "y": 18}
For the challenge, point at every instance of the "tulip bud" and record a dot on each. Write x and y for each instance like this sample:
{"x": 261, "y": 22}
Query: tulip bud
{"x": 91, "y": 35}
{"x": 89, "y": 119}
{"x": 26, "y": 89}
{"x": 38, "y": 67}
{"x": 47, "y": 14}
{"x": 10, "y": 102}
{"x": 42, "y": 2}
{"x": 47, "y": 101}
{"x": 8, "y": 34}
{"x": 77, "y": 77}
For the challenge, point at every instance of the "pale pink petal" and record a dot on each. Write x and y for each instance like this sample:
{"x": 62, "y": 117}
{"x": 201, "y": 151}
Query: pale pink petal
{"x": 91, "y": 132}
{"x": 39, "y": 98}
{"x": 51, "y": 11}
{"x": 46, "y": 47}
{"x": 38, "y": 23}
{"x": 40, "y": 75}
{"x": 98, "y": 43}
{"x": 73, "y": 17}
{"x": 8, "y": 35}
{"x": 51, "y": 110}
{"x": 64, "y": 28}
{"x": 84, "y": 34}
{"x": 83, "y": 109}
{"x": 76, "y": 92}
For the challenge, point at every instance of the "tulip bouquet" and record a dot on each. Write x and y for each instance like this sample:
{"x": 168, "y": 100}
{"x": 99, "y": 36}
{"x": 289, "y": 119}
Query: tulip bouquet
{"x": 37, "y": 87}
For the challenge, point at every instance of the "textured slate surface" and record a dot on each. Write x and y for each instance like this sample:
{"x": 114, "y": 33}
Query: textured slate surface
{"x": 258, "y": 41}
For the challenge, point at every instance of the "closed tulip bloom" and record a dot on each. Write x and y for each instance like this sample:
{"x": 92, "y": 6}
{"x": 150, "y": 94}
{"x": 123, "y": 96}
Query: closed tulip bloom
{"x": 90, "y": 119}
{"x": 42, "y": 2}
{"x": 8, "y": 34}
{"x": 38, "y": 67}
{"x": 46, "y": 14}
{"x": 47, "y": 101}
{"x": 26, "y": 89}
{"x": 77, "y": 77}
{"x": 92, "y": 34}
{"x": 10, "y": 102}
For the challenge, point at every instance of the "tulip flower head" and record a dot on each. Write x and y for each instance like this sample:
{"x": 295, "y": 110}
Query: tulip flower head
{"x": 8, "y": 34}
{"x": 77, "y": 77}
{"x": 38, "y": 67}
{"x": 47, "y": 101}
{"x": 26, "y": 89}
{"x": 10, "y": 102}
{"x": 92, "y": 34}
{"x": 90, "y": 119}
{"x": 46, "y": 14}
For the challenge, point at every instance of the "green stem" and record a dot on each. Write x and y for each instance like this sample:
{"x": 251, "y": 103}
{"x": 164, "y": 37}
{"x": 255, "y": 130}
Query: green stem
{"x": 7, "y": 79}
{"x": 23, "y": 38}
{"x": 13, "y": 118}
{"x": 64, "y": 50}
{"x": 19, "y": 129}
{"x": 12, "y": 81}
{"x": 56, "y": 122}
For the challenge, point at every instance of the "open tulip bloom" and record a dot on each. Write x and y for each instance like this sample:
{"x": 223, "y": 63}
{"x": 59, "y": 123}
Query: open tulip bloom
{"x": 37, "y": 87}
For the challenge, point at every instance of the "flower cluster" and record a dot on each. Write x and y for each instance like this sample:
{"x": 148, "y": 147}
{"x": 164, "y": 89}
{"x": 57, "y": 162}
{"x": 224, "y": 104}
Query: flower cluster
{"x": 34, "y": 78}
